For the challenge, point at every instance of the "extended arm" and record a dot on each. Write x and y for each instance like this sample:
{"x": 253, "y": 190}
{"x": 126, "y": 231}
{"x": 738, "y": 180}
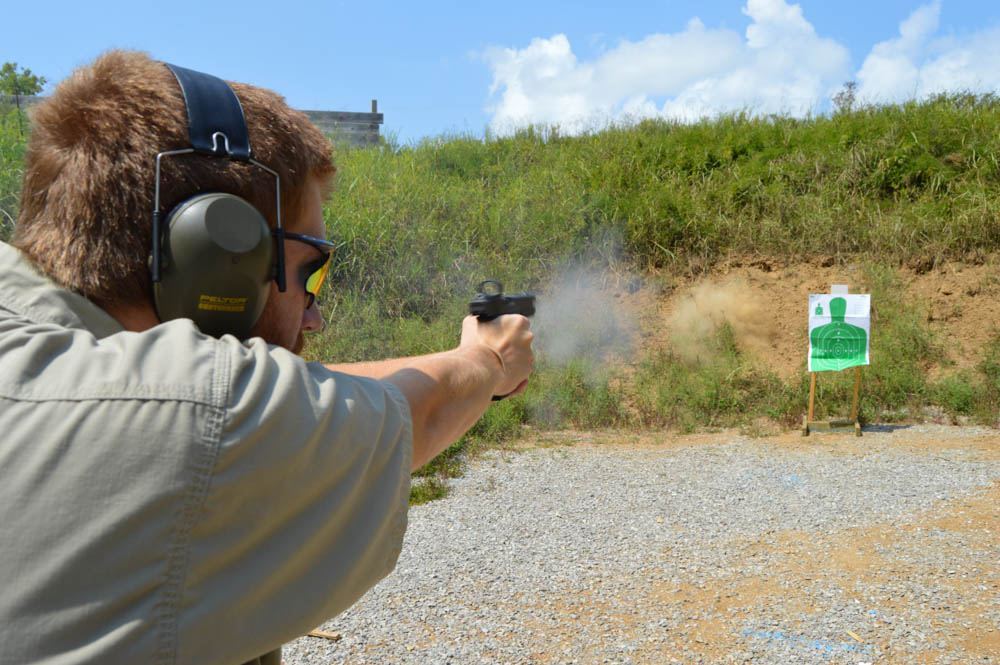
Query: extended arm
{"x": 449, "y": 391}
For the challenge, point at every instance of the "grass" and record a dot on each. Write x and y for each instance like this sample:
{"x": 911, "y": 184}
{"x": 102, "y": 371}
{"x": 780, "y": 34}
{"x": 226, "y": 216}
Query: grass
{"x": 722, "y": 389}
{"x": 579, "y": 393}
{"x": 986, "y": 405}
{"x": 913, "y": 184}
{"x": 975, "y": 395}
{"x": 902, "y": 345}
{"x": 11, "y": 169}
{"x": 427, "y": 487}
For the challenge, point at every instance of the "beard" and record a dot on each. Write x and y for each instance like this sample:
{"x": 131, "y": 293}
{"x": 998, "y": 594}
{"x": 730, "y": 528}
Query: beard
{"x": 274, "y": 329}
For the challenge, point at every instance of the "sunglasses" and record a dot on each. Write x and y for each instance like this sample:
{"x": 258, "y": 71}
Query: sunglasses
{"x": 314, "y": 273}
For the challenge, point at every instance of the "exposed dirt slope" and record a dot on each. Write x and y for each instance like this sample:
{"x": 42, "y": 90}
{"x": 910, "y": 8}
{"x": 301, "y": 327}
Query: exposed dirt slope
{"x": 765, "y": 302}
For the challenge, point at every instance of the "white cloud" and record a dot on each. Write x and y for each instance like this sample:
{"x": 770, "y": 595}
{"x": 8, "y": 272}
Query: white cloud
{"x": 889, "y": 72}
{"x": 780, "y": 66}
{"x": 916, "y": 63}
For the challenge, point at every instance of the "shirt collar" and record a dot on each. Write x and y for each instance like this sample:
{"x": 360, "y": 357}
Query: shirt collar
{"x": 28, "y": 293}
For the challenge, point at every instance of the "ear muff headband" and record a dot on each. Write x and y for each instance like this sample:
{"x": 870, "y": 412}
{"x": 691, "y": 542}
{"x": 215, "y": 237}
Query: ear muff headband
{"x": 211, "y": 257}
{"x": 216, "y": 125}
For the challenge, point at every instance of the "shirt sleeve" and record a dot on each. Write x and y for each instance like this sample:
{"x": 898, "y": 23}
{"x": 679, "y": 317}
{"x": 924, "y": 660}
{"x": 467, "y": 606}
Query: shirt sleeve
{"x": 306, "y": 507}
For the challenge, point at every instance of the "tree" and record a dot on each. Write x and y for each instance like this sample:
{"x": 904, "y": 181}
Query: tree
{"x": 16, "y": 83}
{"x": 844, "y": 100}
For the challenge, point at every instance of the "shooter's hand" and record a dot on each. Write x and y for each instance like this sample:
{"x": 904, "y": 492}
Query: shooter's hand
{"x": 509, "y": 337}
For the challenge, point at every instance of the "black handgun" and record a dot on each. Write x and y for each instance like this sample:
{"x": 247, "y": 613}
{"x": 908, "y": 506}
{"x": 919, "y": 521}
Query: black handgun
{"x": 491, "y": 302}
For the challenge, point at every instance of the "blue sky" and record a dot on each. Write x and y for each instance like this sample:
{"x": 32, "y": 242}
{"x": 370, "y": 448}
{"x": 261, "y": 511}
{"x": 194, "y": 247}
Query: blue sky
{"x": 459, "y": 67}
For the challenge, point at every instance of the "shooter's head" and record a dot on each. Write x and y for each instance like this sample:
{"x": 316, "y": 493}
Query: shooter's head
{"x": 86, "y": 202}
{"x": 87, "y": 198}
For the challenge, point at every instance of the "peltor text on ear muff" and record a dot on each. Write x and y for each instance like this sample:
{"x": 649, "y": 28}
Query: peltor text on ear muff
{"x": 213, "y": 256}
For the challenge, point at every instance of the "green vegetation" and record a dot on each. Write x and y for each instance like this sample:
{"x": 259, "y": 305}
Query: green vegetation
{"x": 427, "y": 487}
{"x": 912, "y": 185}
{"x": 724, "y": 389}
{"x": 974, "y": 395}
{"x": 16, "y": 82}
{"x": 11, "y": 168}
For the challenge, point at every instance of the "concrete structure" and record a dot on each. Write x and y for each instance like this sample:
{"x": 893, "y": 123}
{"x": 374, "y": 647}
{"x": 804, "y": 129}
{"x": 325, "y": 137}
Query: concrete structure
{"x": 356, "y": 129}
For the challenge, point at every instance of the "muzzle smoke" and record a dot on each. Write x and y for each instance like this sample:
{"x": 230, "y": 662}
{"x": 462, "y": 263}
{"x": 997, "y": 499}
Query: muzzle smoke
{"x": 579, "y": 318}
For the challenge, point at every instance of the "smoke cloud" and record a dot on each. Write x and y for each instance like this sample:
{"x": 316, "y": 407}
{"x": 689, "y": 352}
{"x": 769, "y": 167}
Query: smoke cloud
{"x": 580, "y": 318}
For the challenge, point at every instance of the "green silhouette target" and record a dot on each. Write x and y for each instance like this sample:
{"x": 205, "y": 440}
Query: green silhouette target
{"x": 839, "y": 331}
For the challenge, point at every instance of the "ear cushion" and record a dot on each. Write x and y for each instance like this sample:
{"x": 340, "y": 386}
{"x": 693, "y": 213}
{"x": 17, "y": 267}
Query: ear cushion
{"x": 216, "y": 264}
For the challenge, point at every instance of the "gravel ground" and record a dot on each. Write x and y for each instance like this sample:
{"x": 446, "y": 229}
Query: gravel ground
{"x": 707, "y": 549}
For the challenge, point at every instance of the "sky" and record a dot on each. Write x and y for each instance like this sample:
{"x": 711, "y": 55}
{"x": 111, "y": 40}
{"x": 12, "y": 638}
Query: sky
{"x": 464, "y": 68}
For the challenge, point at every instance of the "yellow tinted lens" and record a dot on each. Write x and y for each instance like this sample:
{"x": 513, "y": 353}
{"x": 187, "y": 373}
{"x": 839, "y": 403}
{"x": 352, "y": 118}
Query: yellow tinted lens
{"x": 315, "y": 281}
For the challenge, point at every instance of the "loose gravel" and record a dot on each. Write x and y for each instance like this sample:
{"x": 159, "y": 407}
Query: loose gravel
{"x": 717, "y": 549}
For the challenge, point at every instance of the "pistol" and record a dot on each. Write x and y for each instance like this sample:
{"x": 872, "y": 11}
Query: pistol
{"x": 491, "y": 302}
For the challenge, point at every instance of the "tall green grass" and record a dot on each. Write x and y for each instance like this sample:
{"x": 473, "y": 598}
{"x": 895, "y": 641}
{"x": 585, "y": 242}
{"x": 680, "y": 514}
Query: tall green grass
{"x": 12, "y": 145}
{"x": 723, "y": 388}
{"x": 423, "y": 224}
{"x": 973, "y": 395}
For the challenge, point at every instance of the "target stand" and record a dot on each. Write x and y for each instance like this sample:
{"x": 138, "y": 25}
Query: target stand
{"x": 836, "y": 425}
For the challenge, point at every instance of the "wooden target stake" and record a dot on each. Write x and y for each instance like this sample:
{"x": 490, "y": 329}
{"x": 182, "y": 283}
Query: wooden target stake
{"x": 809, "y": 424}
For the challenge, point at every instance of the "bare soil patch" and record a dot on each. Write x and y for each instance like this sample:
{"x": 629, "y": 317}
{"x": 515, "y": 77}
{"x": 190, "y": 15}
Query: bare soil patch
{"x": 764, "y": 301}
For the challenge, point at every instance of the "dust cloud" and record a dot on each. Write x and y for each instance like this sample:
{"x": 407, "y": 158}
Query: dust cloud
{"x": 579, "y": 318}
{"x": 692, "y": 326}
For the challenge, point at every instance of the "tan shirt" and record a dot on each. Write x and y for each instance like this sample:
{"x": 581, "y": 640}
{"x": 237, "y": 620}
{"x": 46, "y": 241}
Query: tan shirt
{"x": 167, "y": 497}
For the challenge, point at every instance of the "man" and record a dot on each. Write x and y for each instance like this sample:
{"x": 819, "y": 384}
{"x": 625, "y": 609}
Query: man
{"x": 171, "y": 497}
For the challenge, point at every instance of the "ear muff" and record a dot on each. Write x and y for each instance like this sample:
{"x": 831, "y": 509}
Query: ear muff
{"x": 211, "y": 259}
{"x": 216, "y": 264}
